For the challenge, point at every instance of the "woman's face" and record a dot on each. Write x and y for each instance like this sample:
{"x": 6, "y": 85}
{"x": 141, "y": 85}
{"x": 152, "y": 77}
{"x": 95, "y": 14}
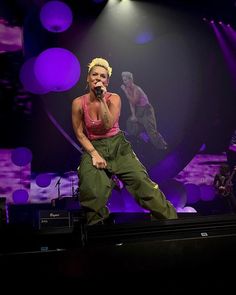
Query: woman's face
{"x": 127, "y": 81}
{"x": 97, "y": 74}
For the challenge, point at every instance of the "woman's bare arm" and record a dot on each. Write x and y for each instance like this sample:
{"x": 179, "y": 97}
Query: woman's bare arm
{"x": 77, "y": 122}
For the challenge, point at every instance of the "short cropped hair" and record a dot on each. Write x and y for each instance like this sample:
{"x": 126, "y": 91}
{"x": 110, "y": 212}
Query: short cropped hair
{"x": 127, "y": 75}
{"x": 99, "y": 61}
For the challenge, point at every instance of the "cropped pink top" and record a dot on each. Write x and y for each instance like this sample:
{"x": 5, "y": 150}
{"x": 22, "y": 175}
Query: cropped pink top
{"x": 143, "y": 99}
{"x": 94, "y": 128}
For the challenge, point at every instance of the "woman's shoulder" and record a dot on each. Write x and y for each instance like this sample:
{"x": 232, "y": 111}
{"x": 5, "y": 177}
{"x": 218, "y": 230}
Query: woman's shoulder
{"x": 112, "y": 97}
{"x": 78, "y": 101}
{"x": 112, "y": 94}
{"x": 139, "y": 89}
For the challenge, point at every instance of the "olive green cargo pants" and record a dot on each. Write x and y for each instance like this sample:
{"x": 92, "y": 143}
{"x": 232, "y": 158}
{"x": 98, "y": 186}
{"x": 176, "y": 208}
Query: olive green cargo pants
{"x": 95, "y": 185}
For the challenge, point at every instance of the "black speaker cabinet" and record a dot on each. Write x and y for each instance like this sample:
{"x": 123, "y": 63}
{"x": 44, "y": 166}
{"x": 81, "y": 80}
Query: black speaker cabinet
{"x": 54, "y": 219}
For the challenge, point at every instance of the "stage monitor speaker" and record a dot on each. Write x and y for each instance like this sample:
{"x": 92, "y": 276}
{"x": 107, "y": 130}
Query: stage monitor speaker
{"x": 49, "y": 219}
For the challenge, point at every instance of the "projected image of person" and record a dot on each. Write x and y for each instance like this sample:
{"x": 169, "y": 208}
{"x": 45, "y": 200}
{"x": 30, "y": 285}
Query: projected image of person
{"x": 231, "y": 158}
{"x": 224, "y": 186}
{"x": 142, "y": 112}
{"x": 95, "y": 118}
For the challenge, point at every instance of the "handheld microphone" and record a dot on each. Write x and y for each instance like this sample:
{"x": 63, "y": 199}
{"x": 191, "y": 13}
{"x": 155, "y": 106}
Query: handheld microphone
{"x": 98, "y": 92}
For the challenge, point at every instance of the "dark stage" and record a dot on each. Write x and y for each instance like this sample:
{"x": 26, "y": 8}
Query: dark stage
{"x": 182, "y": 56}
{"x": 193, "y": 249}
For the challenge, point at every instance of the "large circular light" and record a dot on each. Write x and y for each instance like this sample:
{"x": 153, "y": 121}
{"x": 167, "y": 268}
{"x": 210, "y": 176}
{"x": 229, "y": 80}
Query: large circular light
{"x": 43, "y": 180}
{"x": 28, "y": 78}
{"x": 21, "y": 156}
{"x": 20, "y": 196}
{"x": 56, "y": 16}
{"x": 57, "y": 69}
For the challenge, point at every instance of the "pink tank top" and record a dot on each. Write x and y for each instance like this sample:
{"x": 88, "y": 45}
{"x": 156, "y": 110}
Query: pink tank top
{"x": 94, "y": 128}
{"x": 143, "y": 99}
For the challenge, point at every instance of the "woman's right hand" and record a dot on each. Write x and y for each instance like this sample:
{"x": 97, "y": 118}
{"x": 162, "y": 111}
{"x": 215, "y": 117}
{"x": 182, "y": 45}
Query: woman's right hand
{"x": 98, "y": 161}
{"x": 133, "y": 118}
{"x": 123, "y": 87}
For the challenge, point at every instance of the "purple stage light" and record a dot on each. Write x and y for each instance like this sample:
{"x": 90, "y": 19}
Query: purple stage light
{"x": 28, "y": 78}
{"x": 226, "y": 49}
{"x": 21, "y": 156}
{"x": 20, "y": 196}
{"x": 207, "y": 192}
{"x": 98, "y": 1}
{"x": 187, "y": 209}
{"x": 56, "y": 16}
{"x": 193, "y": 193}
{"x": 144, "y": 37}
{"x": 57, "y": 69}
{"x": 43, "y": 180}
{"x": 202, "y": 148}
{"x": 175, "y": 193}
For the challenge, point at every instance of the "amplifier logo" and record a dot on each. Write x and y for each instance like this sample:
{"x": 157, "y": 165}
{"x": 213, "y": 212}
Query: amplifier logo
{"x": 54, "y": 214}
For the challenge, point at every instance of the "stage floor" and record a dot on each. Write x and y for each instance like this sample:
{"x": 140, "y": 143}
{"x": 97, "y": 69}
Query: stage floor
{"x": 134, "y": 249}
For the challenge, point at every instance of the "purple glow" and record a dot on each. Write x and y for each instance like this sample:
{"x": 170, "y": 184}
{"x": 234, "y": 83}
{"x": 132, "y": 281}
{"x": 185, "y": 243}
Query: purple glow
{"x": 10, "y": 174}
{"x": 11, "y": 37}
{"x": 207, "y": 192}
{"x": 56, "y": 16}
{"x": 123, "y": 201}
{"x": 202, "y": 148}
{"x": 175, "y": 193}
{"x": 197, "y": 172}
{"x": 43, "y": 180}
{"x": 231, "y": 35}
{"x": 144, "y": 37}
{"x": 187, "y": 209}
{"x": 28, "y": 78}
{"x": 57, "y": 69}
{"x": 232, "y": 147}
{"x": 98, "y": 1}
{"x": 193, "y": 193}
{"x": 144, "y": 136}
{"x": 228, "y": 54}
{"x": 63, "y": 132}
{"x": 20, "y": 196}
{"x": 161, "y": 171}
{"x": 21, "y": 156}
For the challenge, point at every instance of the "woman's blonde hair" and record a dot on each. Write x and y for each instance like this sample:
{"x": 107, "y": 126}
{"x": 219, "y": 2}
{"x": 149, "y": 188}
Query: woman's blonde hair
{"x": 127, "y": 75}
{"x": 98, "y": 61}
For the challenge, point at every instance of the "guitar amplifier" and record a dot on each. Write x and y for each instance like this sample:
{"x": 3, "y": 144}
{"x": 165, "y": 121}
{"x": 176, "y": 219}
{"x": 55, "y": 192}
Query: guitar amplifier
{"x": 54, "y": 219}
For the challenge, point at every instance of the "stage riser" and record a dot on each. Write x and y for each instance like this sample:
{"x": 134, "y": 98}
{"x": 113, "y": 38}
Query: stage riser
{"x": 161, "y": 259}
{"x": 25, "y": 238}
